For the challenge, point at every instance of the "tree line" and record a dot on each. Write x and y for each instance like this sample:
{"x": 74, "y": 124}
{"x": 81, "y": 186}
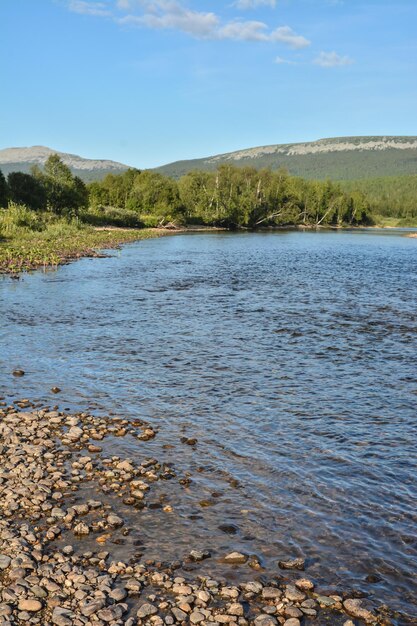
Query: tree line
{"x": 390, "y": 196}
{"x": 231, "y": 197}
{"x": 52, "y": 189}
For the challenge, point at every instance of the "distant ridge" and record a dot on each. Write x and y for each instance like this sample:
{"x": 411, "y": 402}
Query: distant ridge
{"x": 22, "y": 159}
{"x": 339, "y": 158}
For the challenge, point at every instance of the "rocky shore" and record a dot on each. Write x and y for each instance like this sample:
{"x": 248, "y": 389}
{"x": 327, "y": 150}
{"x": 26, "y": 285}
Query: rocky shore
{"x": 62, "y": 501}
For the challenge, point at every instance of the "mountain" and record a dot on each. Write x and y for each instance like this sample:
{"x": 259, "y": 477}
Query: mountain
{"x": 22, "y": 159}
{"x": 340, "y": 158}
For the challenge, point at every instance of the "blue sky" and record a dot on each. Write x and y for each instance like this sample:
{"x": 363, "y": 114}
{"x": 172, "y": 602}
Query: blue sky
{"x": 147, "y": 82}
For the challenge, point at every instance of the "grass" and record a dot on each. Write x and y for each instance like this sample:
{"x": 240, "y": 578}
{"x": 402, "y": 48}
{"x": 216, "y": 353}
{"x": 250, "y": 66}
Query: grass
{"x": 382, "y": 221}
{"x": 31, "y": 240}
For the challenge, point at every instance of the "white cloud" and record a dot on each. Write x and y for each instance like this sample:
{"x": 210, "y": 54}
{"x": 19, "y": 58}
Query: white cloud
{"x": 254, "y": 4}
{"x": 196, "y": 23}
{"x": 243, "y": 30}
{"x": 281, "y": 61}
{"x": 332, "y": 59}
{"x": 286, "y": 35}
{"x": 89, "y": 8}
{"x": 175, "y": 15}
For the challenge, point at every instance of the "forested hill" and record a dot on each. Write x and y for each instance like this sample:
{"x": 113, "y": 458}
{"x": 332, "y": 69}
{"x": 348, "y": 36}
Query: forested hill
{"x": 345, "y": 158}
{"x": 23, "y": 159}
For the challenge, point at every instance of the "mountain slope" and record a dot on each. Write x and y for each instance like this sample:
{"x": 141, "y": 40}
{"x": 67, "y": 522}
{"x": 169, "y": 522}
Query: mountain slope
{"x": 344, "y": 158}
{"x": 22, "y": 159}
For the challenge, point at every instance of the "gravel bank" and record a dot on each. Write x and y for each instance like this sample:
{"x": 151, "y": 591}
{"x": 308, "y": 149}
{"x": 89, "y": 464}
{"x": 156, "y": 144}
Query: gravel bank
{"x": 62, "y": 504}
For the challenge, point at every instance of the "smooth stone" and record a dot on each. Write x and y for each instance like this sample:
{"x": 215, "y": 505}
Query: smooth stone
{"x": 271, "y": 593}
{"x": 236, "y": 558}
{"x": 31, "y": 606}
{"x": 146, "y": 610}
{"x": 179, "y": 615}
{"x": 198, "y": 555}
{"x": 293, "y": 594}
{"x": 292, "y": 564}
{"x": 354, "y": 607}
{"x": 62, "y": 617}
{"x": 304, "y": 584}
{"x": 252, "y": 587}
{"x": 89, "y": 608}
{"x": 236, "y": 609}
{"x": 115, "y": 520}
{"x": 4, "y": 561}
{"x": 265, "y": 620}
{"x": 292, "y": 611}
{"x": 325, "y": 601}
{"x": 118, "y": 594}
{"x": 196, "y": 617}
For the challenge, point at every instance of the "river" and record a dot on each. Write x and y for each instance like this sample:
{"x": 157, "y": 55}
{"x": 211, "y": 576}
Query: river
{"x": 290, "y": 356}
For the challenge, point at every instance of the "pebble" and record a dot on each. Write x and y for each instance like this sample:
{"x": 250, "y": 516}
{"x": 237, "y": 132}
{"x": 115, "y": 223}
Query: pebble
{"x": 48, "y": 494}
{"x": 32, "y": 606}
{"x": 293, "y": 594}
{"x": 304, "y": 584}
{"x": 146, "y": 610}
{"x": 4, "y": 561}
{"x": 265, "y": 620}
{"x": 354, "y": 607}
{"x": 292, "y": 564}
{"x": 115, "y": 520}
{"x": 271, "y": 593}
{"x": 236, "y": 558}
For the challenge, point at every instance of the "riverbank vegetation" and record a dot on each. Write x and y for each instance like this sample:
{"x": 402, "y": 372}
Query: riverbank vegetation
{"x": 393, "y": 199}
{"x": 30, "y": 239}
{"x": 50, "y": 216}
{"x": 230, "y": 197}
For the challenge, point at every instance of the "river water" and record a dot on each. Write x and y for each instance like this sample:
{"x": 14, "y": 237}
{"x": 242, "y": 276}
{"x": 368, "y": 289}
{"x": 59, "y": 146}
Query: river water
{"x": 290, "y": 356}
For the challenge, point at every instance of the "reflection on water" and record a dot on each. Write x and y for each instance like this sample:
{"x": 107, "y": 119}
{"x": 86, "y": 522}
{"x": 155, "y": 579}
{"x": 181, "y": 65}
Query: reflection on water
{"x": 291, "y": 357}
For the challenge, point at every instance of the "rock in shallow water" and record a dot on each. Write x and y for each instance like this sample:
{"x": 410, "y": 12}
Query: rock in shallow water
{"x": 298, "y": 564}
{"x": 354, "y": 607}
{"x": 236, "y": 558}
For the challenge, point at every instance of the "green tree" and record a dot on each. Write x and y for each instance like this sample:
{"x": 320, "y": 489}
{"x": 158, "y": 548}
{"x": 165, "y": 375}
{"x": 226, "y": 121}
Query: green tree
{"x": 154, "y": 193}
{"x": 4, "y": 191}
{"x": 65, "y": 193}
{"x": 26, "y": 189}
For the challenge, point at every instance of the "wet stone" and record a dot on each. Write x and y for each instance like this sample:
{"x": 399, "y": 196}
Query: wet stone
{"x": 298, "y": 564}
{"x": 236, "y": 558}
{"x": 294, "y": 594}
{"x": 271, "y": 593}
{"x": 354, "y": 607}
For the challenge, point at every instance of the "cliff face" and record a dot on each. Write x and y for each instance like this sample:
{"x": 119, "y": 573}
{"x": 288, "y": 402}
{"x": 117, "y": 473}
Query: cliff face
{"x": 338, "y": 158}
